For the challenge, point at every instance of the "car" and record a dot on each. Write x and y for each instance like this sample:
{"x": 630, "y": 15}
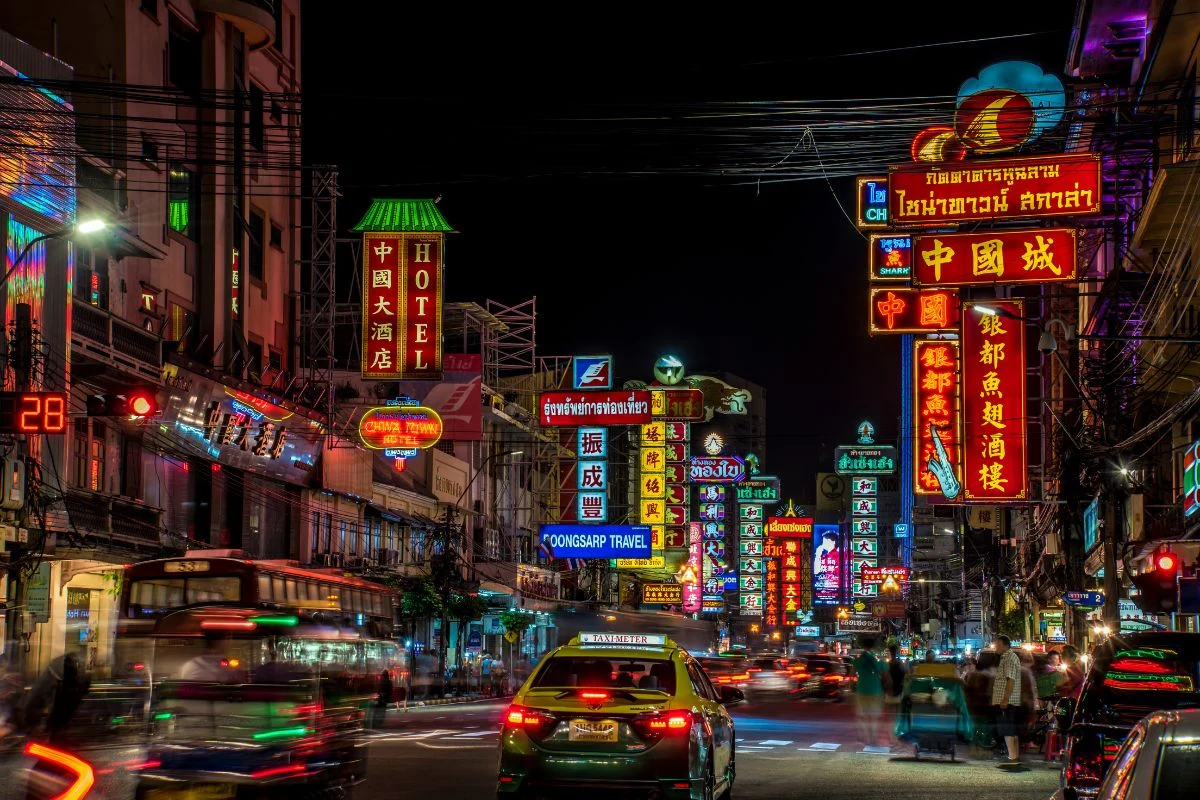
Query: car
{"x": 822, "y": 676}
{"x": 617, "y": 712}
{"x": 1129, "y": 676}
{"x": 1159, "y": 760}
{"x": 770, "y": 675}
{"x": 726, "y": 671}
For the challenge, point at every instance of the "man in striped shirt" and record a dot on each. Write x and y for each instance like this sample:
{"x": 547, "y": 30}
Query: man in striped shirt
{"x": 1006, "y": 698}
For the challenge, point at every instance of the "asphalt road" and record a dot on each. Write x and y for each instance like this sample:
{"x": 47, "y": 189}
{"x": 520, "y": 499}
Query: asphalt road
{"x": 785, "y": 750}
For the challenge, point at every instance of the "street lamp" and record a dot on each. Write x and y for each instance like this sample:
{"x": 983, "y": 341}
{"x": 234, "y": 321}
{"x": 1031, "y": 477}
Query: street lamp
{"x": 84, "y": 228}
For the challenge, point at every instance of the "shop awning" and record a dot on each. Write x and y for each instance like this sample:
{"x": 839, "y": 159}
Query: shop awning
{"x": 392, "y": 514}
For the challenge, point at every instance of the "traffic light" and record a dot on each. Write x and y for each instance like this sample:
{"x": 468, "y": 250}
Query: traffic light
{"x": 138, "y": 401}
{"x": 1158, "y": 589}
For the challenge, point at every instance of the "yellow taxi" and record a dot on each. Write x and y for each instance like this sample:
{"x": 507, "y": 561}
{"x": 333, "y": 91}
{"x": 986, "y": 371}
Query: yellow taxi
{"x": 628, "y": 711}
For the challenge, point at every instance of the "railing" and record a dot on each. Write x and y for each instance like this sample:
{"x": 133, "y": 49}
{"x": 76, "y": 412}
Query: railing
{"x": 105, "y": 516}
{"x": 101, "y": 336}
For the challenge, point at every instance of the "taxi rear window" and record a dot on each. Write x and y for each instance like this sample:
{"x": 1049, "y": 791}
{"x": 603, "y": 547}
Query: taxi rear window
{"x": 615, "y": 673}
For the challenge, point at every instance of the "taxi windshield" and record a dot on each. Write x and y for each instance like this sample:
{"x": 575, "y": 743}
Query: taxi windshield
{"x": 616, "y": 673}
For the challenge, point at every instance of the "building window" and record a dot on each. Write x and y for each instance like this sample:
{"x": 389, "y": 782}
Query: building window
{"x": 276, "y": 236}
{"x": 274, "y": 360}
{"x": 95, "y": 476}
{"x": 327, "y": 538}
{"x": 416, "y": 546}
{"x": 276, "y": 112}
{"x": 257, "y": 114}
{"x": 183, "y": 200}
{"x": 254, "y": 357}
{"x": 150, "y": 7}
{"x": 183, "y": 57}
{"x": 254, "y": 253}
{"x": 131, "y": 469}
{"x": 91, "y": 278}
{"x": 353, "y": 538}
{"x": 80, "y": 452}
{"x": 314, "y": 532}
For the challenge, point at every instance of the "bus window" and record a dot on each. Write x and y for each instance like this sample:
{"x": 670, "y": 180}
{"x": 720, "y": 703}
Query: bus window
{"x": 151, "y": 597}
{"x": 292, "y": 590}
{"x": 264, "y": 588}
{"x": 214, "y": 589}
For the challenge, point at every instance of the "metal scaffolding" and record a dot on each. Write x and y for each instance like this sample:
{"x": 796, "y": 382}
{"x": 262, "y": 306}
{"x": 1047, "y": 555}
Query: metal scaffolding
{"x": 317, "y": 304}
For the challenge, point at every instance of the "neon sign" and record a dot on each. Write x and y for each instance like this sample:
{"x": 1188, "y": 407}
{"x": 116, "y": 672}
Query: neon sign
{"x": 890, "y": 257}
{"x": 400, "y": 427}
{"x": 903, "y": 310}
{"x": 871, "y": 194}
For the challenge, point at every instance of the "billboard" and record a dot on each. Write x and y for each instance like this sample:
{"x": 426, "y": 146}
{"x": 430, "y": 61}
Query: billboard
{"x": 1011, "y": 188}
{"x": 1191, "y": 479}
{"x": 456, "y": 397}
{"x": 597, "y": 541}
{"x": 626, "y": 407}
{"x": 936, "y": 414}
{"x": 668, "y": 594}
{"x": 1039, "y": 255}
{"x": 693, "y": 572}
{"x": 993, "y": 390}
{"x": 877, "y": 575}
{"x": 902, "y": 310}
{"x": 827, "y": 565}
{"x": 890, "y": 256}
{"x": 677, "y": 403}
{"x": 402, "y": 306}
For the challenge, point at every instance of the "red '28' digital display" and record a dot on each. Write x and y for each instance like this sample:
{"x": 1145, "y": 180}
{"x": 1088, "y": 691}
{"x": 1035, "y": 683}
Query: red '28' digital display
{"x": 33, "y": 412}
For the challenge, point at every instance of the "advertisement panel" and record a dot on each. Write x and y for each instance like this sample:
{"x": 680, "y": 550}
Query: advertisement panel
{"x": 668, "y": 594}
{"x": 859, "y": 625}
{"x": 1040, "y": 255}
{"x": 790, "y": 527}
{"x": 1191, "y": 479}
{"x": 455, "y": 397}
{"x": 1011, "y": 188}
{"x": 904, "y": 310}
{"x": 878, "y": 575}
{"x": 402, "y": 306}
{"x": 627, "y": 407}
{"x": 591, "y": 449}
{"x": 597, "y": 541}
{"x": 936, "y": 418}
{"x": 993, "y": 387}
{"x": 889, "y": 257}
{"x": 827, "y": 566}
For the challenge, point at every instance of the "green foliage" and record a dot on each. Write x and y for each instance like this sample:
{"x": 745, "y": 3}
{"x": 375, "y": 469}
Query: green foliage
{"x": 420, "y": 599}
{"x": 514, "y": 619}
{"x": 464, "y": 608}
{"x": 113, "y": 582}
{"x": 1011, "y": 624}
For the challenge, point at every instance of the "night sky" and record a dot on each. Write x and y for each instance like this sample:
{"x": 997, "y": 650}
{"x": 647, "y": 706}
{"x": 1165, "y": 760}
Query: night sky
{"x": 556, "y": 145}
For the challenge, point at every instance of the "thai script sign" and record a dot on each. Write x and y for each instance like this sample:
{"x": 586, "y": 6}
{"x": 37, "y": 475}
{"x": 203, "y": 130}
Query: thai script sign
{"x": 877, "y": 575}
{"x": 993, "y": 391}
{"x": 1040, "y": 255}
{"x": 890, "y": 256}
{"x": 871, "y": 195}
{"x": 669, "y": 594}
{"x": 598, "y": 541}
{"x": 716, "y": 469}
{"x": 1032, "y": 186}
{"x": 790, "y": 527}
{"x": 859, "y": 625}
{"x": 680, "y": 404}
{"x": 402, "y": 306}
{"x": 865, "y": 460}
{"x": 629, "y": 407}
{"x": 936, "y": 410}
{"x": 903, "y": 310}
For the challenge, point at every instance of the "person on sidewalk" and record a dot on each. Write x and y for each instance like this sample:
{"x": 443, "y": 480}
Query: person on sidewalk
{"x": 1006, "y": 698}
{"x": 868, "y": 694}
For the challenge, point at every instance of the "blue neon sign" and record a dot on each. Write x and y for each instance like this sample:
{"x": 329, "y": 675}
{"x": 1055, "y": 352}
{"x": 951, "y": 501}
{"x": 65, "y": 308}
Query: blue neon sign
{"x": 597, "y": 541}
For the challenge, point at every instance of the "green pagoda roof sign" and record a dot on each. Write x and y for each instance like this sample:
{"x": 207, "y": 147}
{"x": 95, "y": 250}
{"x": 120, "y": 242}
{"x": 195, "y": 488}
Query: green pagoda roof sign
{"x": 408, "y": 216}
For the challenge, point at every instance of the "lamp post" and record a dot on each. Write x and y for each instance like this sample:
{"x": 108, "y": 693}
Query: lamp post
{"x": 84, "y": 228}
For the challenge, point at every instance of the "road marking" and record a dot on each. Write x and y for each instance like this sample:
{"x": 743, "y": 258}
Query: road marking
{"x": 750, "y": 748}
{"x": 876, "y": 750}
{"x": 776, "y": 742}
{"x": 739, "y": 740}
{"x": 822, "y": 746}
{"x": 474, "y": 735}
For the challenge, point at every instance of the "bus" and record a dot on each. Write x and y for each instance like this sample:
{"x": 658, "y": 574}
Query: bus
{"x": 283, "y": 663}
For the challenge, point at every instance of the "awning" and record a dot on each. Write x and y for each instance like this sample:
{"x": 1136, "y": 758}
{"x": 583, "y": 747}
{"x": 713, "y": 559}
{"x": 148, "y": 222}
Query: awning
{"x": 392, "y": 514}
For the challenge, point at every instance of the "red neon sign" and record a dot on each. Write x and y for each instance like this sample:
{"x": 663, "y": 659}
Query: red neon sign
{"x": 400, "y": 428}
{"x": 902, "y": 310}
{"x": 1041, "y": 255}
{"x": 935, "y": 405}
{"x": 993, "y": 381}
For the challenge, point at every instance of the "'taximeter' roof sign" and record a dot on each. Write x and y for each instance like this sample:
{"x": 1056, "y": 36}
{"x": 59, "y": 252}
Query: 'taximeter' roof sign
{"x": 622, "y": 638}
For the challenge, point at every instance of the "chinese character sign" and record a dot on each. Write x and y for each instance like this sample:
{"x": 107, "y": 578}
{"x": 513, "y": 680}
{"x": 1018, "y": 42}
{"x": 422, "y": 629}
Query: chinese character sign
{"x": 903, "y": 310}
{"x": 826, "y": 565}
{"x": 1041, "y": 255}
{"x": 1031, "y": 186}
{"x": 402, "y": 305}
{"x": 993, "y": 393}
{"x": 591, "y": 500}
{"x": 935, "y": 408}
{"x": 890, "y": 257}
{"x": 694, "y": 570}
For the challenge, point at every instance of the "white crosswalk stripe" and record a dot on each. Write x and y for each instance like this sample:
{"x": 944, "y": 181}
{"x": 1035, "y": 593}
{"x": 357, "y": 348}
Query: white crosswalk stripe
{"x": 775, "y": 742}
{"x": 829, "y": 746}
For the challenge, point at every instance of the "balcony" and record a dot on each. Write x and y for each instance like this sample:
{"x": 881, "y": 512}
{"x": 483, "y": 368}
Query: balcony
{"x": 108, "y": 518}
{"x": 254, "y": 18}
{"x": 100, "y": 337}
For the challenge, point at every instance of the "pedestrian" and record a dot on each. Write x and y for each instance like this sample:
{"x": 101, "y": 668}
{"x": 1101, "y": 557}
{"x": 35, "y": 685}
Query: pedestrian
{"x": 384, "y": 699}
{"x": 1006, "y": 698}
{"x": 485, "y": 672}
{"x": 894, "y": 688}
{"x": 1073, "y": 674}
{"x": 56, "y": 696}
{"x": 868, "y": 693}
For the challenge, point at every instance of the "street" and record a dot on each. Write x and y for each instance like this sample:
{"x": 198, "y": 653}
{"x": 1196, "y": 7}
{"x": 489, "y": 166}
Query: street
{"x": 785, "y": 750}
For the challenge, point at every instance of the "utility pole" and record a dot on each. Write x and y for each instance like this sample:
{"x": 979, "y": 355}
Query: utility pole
{"x": 1113, "y": 537}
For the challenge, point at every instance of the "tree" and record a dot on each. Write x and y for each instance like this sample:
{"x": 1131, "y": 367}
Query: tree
{"x": 518, "y": 621}
{"x": 465, "y": 609}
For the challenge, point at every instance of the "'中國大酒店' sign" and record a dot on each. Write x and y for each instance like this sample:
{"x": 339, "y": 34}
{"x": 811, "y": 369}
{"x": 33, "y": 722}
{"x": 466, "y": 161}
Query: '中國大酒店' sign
{"x": 597, "y": 541}
{"x": 1030, "y": 186}
{"x": 628, "y": 407}
{"x": 402, "y": 306}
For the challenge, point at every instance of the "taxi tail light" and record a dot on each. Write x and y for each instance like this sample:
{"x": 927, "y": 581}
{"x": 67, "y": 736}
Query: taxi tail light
{"x": 80, "y": 772}
{"x": 530, "y": 720}
{"x": 655, "y": 726}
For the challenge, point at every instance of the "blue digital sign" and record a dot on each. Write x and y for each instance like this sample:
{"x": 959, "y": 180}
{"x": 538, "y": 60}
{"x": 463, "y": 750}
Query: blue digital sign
{"x": 872, "y": 202}
{"x": 597, "y": 541}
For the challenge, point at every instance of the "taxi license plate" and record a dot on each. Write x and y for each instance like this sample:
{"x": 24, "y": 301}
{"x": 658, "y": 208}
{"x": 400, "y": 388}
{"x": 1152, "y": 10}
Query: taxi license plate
{"x": 203, "y": 791}
{"x": 586, "y": 730}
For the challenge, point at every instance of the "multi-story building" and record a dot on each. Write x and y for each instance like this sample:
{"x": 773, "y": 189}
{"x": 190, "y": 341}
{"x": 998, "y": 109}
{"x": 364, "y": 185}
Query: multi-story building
{"x": 187, "y": 122}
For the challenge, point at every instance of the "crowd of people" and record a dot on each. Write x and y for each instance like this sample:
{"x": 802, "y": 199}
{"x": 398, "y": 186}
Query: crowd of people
{"x": 1010, "y": 693}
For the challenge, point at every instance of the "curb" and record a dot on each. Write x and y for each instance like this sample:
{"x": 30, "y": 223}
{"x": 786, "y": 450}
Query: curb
{"x": 448, "y": 701}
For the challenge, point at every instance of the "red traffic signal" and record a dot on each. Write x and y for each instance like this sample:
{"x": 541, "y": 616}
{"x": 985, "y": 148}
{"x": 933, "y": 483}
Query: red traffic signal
{"x": 1166, "y": 561}
{"x": 139, "y": 401}
{"x": 141, "y": 404}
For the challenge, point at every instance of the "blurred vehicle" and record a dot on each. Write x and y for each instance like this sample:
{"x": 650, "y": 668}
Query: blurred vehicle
{"x": 933, "y": 714}
{"x": 822, "y": 676}
{"x": 257, "y": 676}
{"x": 1130, "y": 676}
{"x": 726, "y": 671}
{"x": 624, "y": 712}
{"x": 769, "y": 675}
{"x": 1159, "y": 760}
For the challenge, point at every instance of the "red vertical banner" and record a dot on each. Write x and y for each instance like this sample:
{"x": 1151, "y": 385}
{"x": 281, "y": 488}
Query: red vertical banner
{"x": 935, "y": 407}
{"x": 993, "y": 391}
{"x": 381, "y": 312}
{"x": 421, "y": 298}
{"x": 235, "y": 280}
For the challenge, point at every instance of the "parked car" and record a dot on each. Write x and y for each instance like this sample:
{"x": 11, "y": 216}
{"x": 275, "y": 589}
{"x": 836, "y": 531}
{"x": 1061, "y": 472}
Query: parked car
{"x": 1160, "y": 759}
{"x": 1130, "y": 676}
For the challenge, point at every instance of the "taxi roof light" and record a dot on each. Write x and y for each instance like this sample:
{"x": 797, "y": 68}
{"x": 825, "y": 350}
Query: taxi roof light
{"x": 620, "y": 639}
